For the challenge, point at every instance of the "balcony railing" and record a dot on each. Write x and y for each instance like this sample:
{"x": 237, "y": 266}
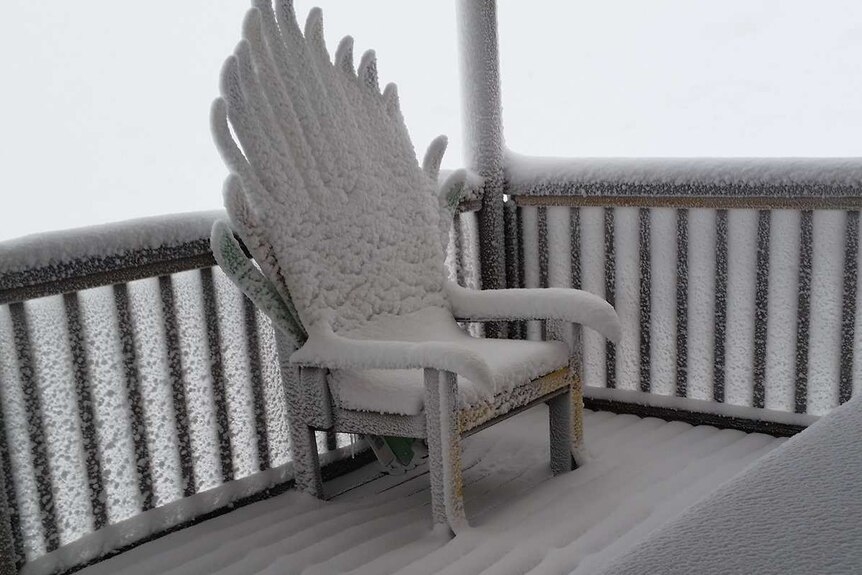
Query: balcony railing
{"x": 736, "y": 280}
{"x": 139, "y": 391}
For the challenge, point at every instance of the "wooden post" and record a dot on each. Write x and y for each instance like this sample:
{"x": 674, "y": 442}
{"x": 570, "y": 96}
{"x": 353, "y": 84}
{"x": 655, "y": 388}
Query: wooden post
{"x": 483, "y": 134}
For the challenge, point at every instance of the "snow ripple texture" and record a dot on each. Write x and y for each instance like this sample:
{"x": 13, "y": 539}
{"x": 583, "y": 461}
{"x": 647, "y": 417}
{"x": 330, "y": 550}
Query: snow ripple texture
{"x": 644, "y": 473}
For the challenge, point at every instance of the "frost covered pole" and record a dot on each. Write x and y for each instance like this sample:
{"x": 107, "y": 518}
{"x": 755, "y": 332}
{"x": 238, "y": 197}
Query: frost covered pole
{"x": 483, "y": 131}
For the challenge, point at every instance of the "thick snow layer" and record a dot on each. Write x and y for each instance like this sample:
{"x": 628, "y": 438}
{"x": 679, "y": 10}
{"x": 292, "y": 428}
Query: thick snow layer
{"x": 427, "y": 338}
{"x": 103, "y": 241}
{"x": 323, "y": 162}
{"x": 549, "y": 303}
{"x": 525, "y": 172}
{"x": 402, "y": 391}
{"x": 796, "y": 511}
{"x": 643, "y": 474}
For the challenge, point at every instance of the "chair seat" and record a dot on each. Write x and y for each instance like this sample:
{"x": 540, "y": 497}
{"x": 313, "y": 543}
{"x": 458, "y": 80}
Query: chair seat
{"x": 401, "y": 391}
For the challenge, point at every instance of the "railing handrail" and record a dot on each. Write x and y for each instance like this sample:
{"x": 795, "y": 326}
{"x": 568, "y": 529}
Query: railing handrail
{"x": 768, "y": 182}
{"x": 71, "y": 260}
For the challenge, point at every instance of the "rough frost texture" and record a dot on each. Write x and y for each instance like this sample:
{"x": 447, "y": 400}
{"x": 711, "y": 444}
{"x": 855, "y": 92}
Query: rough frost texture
{"x": 836, "y": 174}
{"x": 328, "y": 196}
{"x": 57, "y": 248}
{"x": 796, "y": 511}
{"x": 329, "y": 172}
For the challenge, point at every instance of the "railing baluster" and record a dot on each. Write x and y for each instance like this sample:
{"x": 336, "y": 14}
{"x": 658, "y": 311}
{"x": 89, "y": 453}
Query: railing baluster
{"x": 682, "y": 302}
{"x": 11, "y": 536}
{"x": 720, "y": 304}
{"x": 610, "y": 295}
{"x": 86, "y": 413}
{"x": 848, "y": 307}
{"x": 542, "y": 239}
{"x": 458, "y": 246}
{"x": 761, "y": 305}
{"x": 143, "y": 463}
{"x": 645, "y": 298}
{"x": 803, "y": 311}
{"x": 514, "y": 267}
{"x": 175, "y": 373}
{"x": 213, "y": 335}
{"x": 35, "y": 427}
{"x": 256, "y": 379}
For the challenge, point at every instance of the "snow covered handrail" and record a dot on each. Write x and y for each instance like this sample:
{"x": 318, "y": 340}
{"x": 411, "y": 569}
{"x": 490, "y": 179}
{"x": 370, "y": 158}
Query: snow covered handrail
{"x": 757, "y": 183}
{"x": 65, "y": 261}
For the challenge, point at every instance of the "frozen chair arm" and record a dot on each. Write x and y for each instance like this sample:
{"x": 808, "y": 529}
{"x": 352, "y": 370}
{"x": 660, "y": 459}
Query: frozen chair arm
{"x": 570, "y": 305}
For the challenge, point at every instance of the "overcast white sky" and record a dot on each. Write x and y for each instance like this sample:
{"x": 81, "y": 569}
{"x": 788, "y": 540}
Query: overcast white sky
{"x": 105, "y": 104}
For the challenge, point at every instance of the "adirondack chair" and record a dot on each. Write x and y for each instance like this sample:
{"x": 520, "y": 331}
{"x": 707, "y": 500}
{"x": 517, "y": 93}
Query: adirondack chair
{"x": 348, "y": 236}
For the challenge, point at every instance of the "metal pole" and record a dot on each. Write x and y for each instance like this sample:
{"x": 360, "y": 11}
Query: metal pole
{"x": 483, "y": 133}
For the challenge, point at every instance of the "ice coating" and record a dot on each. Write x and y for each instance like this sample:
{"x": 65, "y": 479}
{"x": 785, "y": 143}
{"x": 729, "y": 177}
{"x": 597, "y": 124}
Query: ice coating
{"x": 325, "y": 165}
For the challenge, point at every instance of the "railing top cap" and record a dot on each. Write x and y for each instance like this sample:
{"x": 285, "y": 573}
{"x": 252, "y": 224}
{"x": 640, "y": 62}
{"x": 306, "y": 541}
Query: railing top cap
{"x": 59, "y": 248}
{"x": 823, "y": 176}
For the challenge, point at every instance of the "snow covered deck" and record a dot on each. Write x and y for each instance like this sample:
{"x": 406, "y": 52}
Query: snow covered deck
{"x": 644, "y": 472}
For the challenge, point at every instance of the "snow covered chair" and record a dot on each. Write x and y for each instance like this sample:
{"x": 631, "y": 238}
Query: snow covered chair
{"x": 349, "y": 235}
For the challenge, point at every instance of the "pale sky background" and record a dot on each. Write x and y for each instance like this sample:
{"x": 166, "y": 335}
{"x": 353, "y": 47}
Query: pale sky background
{"x": 105, "y": 103}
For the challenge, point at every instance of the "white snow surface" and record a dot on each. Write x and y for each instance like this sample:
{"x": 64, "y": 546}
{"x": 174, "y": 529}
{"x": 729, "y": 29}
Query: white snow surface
{"x": 796, "y": 511}
{"x": 427, "y": 338}
{"x": 523, "y": 171}
{"x": 643, "y": 473}
{"x": 102, "y": 241}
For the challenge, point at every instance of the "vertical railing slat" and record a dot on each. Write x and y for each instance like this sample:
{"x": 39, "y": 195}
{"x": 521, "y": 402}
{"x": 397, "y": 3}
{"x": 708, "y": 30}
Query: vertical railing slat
{"x": 256, "y": 381}
{"x": 720, "y": 311}
{"x": 175, "y": 373}
{"x": 848, "y": 306}
{"x": 682, "y": 302}
{"x": 458, "y": 246}
{"x": 645, "y": 298}
{"x": 86, "y": 412}
{"x": 803, "y": 311}
{"x": 11, "y": 536}
{"x": 761, "y": 306}
{"x": 143, "y": 463}
{"x": 544, "y": 260}
{"x": 610, "y": 294}
{"x": 513, "y": 260}
{"x": 35, "y": 426}
{"x": 213, "y": 335}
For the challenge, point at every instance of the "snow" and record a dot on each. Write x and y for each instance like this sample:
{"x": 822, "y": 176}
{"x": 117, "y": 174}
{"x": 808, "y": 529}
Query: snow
{"x": 569, "y": 305}
{"x": 644, "y": 473}
{"x": 795, "y": 511}
{"x": 427, "y": 338}
{"x": 536, "y": 173}
{"x": 53, "y": 249}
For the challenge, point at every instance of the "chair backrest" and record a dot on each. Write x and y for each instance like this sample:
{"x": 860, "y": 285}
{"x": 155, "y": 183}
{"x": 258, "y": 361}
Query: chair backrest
{"x": 325, "y": 188}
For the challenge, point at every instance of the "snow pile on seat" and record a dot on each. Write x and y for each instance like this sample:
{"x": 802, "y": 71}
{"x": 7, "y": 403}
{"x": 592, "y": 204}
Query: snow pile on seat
{"x": 324, "y": 167}
{"x": 797, "y": 511}
{"x": 505, "y": 364}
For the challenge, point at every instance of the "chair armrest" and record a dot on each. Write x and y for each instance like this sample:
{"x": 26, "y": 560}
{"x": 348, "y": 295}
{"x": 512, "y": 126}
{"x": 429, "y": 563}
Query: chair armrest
{"x": 327, "y": 349}
{"x": 572, "y": 305}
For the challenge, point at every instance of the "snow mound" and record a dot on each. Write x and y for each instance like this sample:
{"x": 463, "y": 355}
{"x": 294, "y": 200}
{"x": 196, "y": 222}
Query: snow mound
{"x": 796, "y": 511}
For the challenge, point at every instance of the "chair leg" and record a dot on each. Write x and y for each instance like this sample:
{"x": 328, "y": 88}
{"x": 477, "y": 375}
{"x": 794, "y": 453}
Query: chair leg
{"x": 306, "y": 464}
{"x": 444, "y": 450}
{"x": 561, "y": 427}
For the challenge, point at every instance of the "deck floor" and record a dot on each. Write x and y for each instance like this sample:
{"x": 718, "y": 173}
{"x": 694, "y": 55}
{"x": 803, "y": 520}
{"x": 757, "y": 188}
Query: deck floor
{"x": 642, "y": 473}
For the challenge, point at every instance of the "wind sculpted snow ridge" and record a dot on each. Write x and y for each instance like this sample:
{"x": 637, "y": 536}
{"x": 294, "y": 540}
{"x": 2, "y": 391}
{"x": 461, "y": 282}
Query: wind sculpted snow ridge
{"x": 644, "y": 473}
